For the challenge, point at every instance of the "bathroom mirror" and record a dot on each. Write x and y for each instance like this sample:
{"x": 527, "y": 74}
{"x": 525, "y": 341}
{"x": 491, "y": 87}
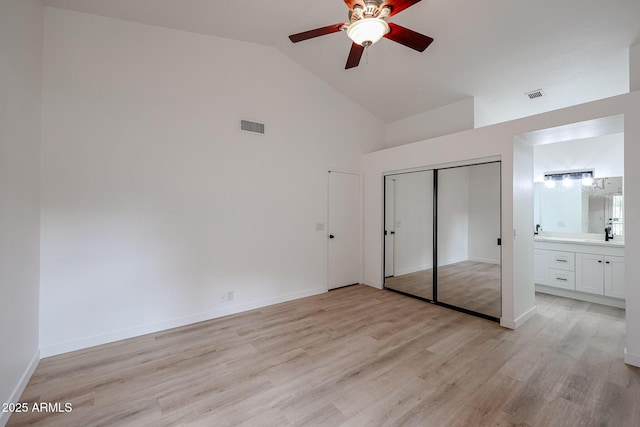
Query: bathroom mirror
{"x": 577, "y": 205}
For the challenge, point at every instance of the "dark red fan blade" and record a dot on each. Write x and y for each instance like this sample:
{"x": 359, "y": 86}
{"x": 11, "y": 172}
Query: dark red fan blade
{"x": 351, "y": 3}
{"x": 398, "y": 6}
{"x": 315, "y": 33}
{"x": 408, "y": 37}
{"x": 354, "y": 56}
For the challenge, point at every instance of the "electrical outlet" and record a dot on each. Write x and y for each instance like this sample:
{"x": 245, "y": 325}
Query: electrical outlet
{"x": 223, "y": 297}
{"x": 229, "y": 295}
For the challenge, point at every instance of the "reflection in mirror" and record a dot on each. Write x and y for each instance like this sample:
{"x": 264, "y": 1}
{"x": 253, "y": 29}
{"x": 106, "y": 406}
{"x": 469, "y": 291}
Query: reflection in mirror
{"x": 409, "y": 233}
{"x": 578, "y": 205}
{"x": 468, "y": 270}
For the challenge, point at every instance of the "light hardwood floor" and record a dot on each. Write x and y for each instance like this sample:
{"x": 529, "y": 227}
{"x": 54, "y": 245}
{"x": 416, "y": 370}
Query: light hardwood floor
{"x": 356, "y": 356}
{"x": 468, "y": 284}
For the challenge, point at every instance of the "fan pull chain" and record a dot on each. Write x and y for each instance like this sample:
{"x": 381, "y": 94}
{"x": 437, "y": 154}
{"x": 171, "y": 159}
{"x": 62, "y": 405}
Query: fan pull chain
{"x": 366, "y": 55}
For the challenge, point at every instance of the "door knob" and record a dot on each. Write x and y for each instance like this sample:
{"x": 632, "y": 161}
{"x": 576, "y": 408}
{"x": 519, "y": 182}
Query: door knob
{"x": 331, "y": 236}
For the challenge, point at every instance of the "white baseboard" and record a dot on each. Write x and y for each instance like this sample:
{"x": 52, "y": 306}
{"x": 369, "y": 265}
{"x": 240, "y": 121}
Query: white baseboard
{"x": 19, "y": 388}
{"x": 373, "y": 284}
{"x": 515, "y": 324}
{"x": 53, "y": 350}
{"x": 507, "y": 323}
{"x": 413, "y": 269}
{"x": 631, "y": 358}
{"x": 450, "y": 261}
{"x": 485, "y": 260}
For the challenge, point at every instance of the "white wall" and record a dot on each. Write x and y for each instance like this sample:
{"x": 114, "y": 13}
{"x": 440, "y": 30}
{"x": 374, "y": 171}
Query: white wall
{"x": 632, "y": 228}
{"x": 413, "y": 222}
{"x": 517, "y": 204}
{"x": 604, "y": 154}
{"x": 453, "y": 215}
{"x": 154, "y": 202}
{"x": 484, "y": 213}
{"x": 448, "y": 119}
{"x": 497, "y": 106}
{"x": 634, "y": 67}
{"x": 521, "y": 294}
{"x": 20, "y": 120}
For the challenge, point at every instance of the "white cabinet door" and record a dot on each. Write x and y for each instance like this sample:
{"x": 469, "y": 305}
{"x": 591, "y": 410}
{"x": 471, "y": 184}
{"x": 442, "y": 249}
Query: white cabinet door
{"x": 541, "y": 267}
{"x": 590, "y": 273}
{"x": 614, "y": 276}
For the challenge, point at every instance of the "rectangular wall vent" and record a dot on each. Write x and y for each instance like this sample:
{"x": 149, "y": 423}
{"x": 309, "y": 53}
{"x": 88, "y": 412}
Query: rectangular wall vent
{"x": 535, "y": 94}
{"x": 248, "y": 126}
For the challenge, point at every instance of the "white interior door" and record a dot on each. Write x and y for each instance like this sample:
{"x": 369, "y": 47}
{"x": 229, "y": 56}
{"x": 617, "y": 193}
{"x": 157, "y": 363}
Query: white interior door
{"x": 389, "y": 226}
{"x": 344, "y": 229}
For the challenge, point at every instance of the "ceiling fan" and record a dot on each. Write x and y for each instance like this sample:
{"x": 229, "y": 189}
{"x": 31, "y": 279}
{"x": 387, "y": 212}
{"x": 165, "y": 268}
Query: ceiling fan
{"x": 367, "y": 25}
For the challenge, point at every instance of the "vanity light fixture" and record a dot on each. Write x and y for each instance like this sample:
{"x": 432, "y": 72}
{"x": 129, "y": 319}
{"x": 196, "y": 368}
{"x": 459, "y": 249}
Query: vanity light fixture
{"x": 568, "y": 178}
{"x": 587, "y": 181}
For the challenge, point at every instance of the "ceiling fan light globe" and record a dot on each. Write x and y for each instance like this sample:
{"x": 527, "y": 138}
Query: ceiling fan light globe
{"x": 367, "y": 31}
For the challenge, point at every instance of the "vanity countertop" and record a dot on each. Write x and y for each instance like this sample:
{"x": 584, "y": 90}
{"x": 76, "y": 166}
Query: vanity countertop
{"x": 590, "y": 242}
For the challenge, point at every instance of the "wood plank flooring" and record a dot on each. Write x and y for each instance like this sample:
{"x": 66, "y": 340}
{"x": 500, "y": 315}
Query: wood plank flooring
{"x": 355, "y": 356}
{"x": 468, "y": 284}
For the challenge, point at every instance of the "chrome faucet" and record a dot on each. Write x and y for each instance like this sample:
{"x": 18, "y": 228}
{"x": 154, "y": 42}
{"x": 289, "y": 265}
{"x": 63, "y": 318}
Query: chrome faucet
{"x": 608, "y": 234}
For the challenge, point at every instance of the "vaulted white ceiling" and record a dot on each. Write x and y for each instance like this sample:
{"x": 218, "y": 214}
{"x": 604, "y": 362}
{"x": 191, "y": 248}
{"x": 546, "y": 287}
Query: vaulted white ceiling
{"x": 494, "y": 50}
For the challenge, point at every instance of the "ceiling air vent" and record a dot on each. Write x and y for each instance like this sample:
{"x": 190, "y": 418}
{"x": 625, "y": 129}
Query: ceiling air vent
{"x": 535, "y": 94}
{"x": 254, "y": 127}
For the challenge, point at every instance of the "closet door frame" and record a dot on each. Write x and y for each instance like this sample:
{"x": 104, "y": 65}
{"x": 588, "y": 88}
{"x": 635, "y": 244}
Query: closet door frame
{"x": 435, "y": 170}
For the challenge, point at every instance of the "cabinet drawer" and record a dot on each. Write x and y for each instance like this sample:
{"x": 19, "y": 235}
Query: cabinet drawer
{"x": 562, "y": 279}
{"x": 562, "y": 260}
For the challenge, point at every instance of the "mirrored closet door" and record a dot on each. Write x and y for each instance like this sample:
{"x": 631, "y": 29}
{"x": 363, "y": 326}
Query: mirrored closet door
{"x": 409, "y": 233}
{"x": 442, "y": 237}
{"x": 468, "y": 249}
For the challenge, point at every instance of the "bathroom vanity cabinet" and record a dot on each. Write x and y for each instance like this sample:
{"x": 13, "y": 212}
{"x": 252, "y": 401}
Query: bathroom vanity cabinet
{"x": 590, "y": 271}
{"x": 600, "y": 274}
